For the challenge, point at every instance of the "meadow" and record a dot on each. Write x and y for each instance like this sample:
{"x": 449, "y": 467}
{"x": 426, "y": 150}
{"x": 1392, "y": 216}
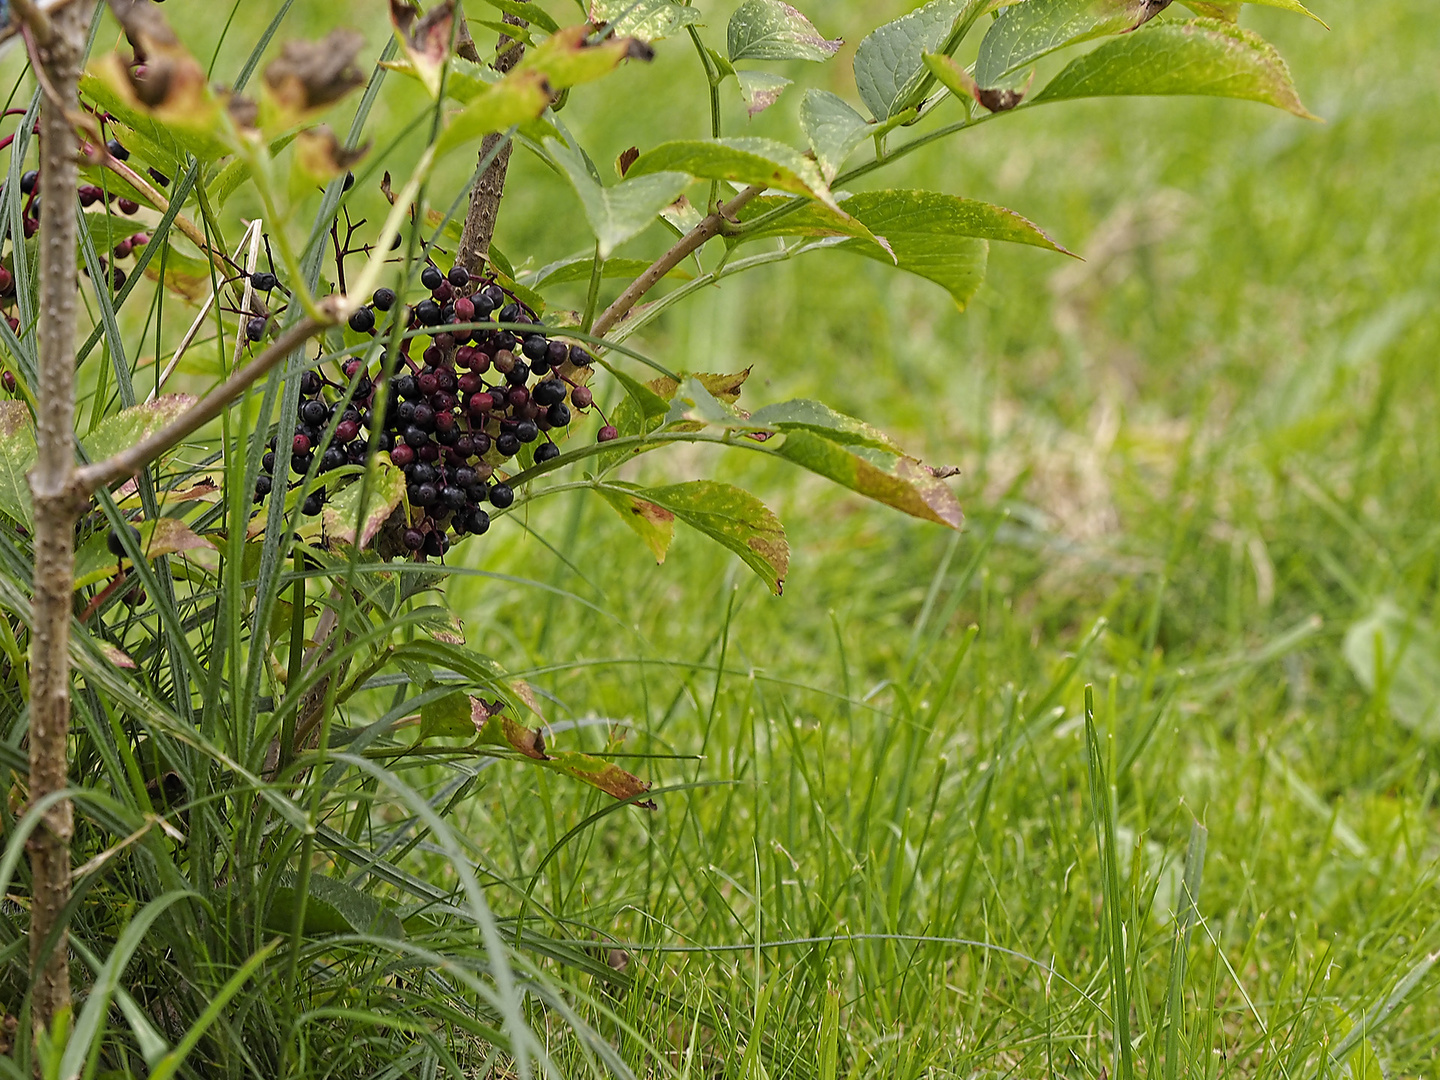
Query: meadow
{"x": 1200, "y": 467}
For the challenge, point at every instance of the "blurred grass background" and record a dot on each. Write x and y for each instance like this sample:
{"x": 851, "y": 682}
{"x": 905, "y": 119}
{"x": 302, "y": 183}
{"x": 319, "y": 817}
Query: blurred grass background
{"x": 1217, "y": 433}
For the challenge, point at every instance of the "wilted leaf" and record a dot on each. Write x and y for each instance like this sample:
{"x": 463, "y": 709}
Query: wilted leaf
{"x": 617, "y": 213}
{"x": 725, "y": 388}
{"x": 129, "y": 426}
{"x": 163, "y": 536}
{"x": 341, "y": 516}
{"x": 427, "y": 38}
{"x": 1205, "y": 57}
{"x": 320, "y": 156}
{"x": 654, "y": 524}
{"x": 731, "y": 517}
{"x": 772, "y": 30}
{"x": 763, "y": 162}
{"x": 898, "y": 481}
{"x": 648, "y": 20}
{"x": 760, "y": 90}
{"x": 569, "y": 57}
{"x": 166, "y": 82}
{"x": 309, "y": 76}
{"x": 17, "y": 458}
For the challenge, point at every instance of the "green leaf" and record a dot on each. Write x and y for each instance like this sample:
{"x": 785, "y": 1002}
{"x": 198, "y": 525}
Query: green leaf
{"x": 17, "y": 458}
{"x": 763, "y": 162}
{"x": 448, "y": 717}
{"x": 1403, "y": 651}
{"x": 164, "y": 145}
{"x": 1025, "y": 32}
{"x": 832, "y": 128}
{"x": 760, "y": 90}
{"x": 577, "y": 268}
{"x": 531, "y": 13}
{"x": 1229, "y": 10}
{"x": 618, "y": 213}
{"x": 332, "y": 907}
{"x": 520, "y": 96}
{"x": 163, "y": 536}
{"x": 648, "y": 20}
{"x": 893, "y": 479}
{"x": 128, "y": 427}
{"x": 341, "y": 516}
{"x": 890, "y": 72}
{"x": 772, "y": 30}
{"x": 1205, "y": 57}
{"x": 654, "y": 524}
{"x": 731, "y": 517}
{"x": 804, "y": 414}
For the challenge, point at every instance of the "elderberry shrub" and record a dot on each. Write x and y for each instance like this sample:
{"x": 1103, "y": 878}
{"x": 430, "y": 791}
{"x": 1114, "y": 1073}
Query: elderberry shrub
{"x": 453, "y": 417}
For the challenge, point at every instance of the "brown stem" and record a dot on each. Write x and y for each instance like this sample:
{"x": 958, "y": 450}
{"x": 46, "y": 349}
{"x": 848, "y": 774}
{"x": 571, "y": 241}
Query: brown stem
{"x": 60, "y": 42}
{"x": 709, "y": 228}
{"x": 484, "y": 211}
{"x": 134, "y": 458}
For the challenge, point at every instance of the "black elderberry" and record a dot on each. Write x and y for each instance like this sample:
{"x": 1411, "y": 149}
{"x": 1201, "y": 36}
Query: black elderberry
{"x": 424, "y": 417}
{"x": 300, "y": 463}
{"x": 263, "y": 282}
{"x": 501, "y": 496}
{"x": 159, "y": 177}
{"x": 29, "y": 180}
{"x": 465, "y": 477}
{"x": 333, "y": 459}
{"x": 508, "y": 445}
{"x": 424, "y": 495}
{"x": 482, "y": 443}
{"x": 386, "y": 441}
{"x": 579, "y": 357}
{"x": 535, "y": 347}
{"x": 414, "y": 539}
{"x": 384, "y": 299}
{"x": 420, "y": 473}
{"x": 268, "y": 462}
{"x": 518, "y": 375}
{"x": 117, "y": 545}
{"x": 540, "y": 368}
{"x": 314, "y": 413}
{"x": 355, "y": 452}
{"x": 118, "y": 152}
{"x": 557, "y": 352}
{"x": 127, "y": 206}
{"x": 407, "y": 388}
{"x": 447, "y": 315}
{"x": 434, "y": 544}
{"x": 459, "y": 277}
{"x": 478, "y": 522}
{"x": 416, "y": 437}
{"x": 255, "y": 329}
{"x": 454, "y": 497}
{"x": 527, "y": 431}
{"x": 362, "y": 320}
{"x": 550, "y": 392}
{"x": 263, "y": 487}
{"x": 310, "y": 383}
{"x": 510, "y": 313}
{"x": 405, "y": 414}
{"x": 546, "y": 452}
{"x": 431, "y": 278}
{"x": 314, "y": 503}
{"x": 558, "y": 414}
{"x": 495, "y": 295}
{"x": 428, "y": 312}
{"x": 349, "y": 181}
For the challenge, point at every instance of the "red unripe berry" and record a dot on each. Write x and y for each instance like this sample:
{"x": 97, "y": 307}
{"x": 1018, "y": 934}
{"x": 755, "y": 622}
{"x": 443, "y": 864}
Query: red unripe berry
{"x": 429, "y": 452}
{"x": 89, "y": 194}
{"x": 582, "y": 397}
{"x": 607, "y": 433}
{"x": 444, "y": 422}
{"x": 427, "y": 382}
{"x": 445, "y": 343}
{"x": 432, "y": 355}
{"x": 518, "y": 397}
{"x": 464, "y": 310}
{"x": 14, "y": 324}
{"x": 479, "y": 361}
{"x": 127, "y": 206}
{"x": 7, "y": 380}
{"x": 351, "y": 367}
{"x": 7, "y": 281}
{"x": 122, "y": 249}
{"x": 443, "y": 293}
{"x": 481, "y": 402}
{"x": 402, "y": 455}
{"x": 140, "y": 239}
{"x": 31, "y": 227}
{"x": 346, "y": 430}
{"x": 300, "y": 445}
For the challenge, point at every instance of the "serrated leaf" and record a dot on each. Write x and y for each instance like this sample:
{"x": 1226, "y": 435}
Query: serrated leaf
{"x": 763, "y": 162}
{"x": 1025, "y": 32}
{"x": 568, "y": 57}
{"x": 804, "y": 414}
{"x": 759, "y": 90}
{"x": 17, "y": 458}
{"x": 618, "y": 213}
{"x": 890, "y": 73}
{"x": 654, "y": 524}
{"x": 331, "y": 907}
{"x": 163, "y": 536}
{"x": 832, "y": 128}
{"x": 693, "y": 406}
{"x": 648, "y": 20}
{"x": 1205, "y": 57}
{"x": 126, "y": 428}
{"x": 340, "y": 520}
{"x": 724, "y": 387}
{"x": 772, "y": 30}
{"x": 732, "y": 518}
{"x": 895, "y": 480}
{"x": 515, "y": 99}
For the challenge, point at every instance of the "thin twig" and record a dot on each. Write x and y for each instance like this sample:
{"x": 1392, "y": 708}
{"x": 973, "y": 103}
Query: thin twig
{"x": 709, "y": 228}
{"x": 132, "y": 459}
{"x": 484, "y": 211}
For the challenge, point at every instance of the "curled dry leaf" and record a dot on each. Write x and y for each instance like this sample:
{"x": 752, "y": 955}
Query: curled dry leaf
{"x": 320, "y": 155}
{"x": 166, "y": 80}
{"x": 428, "y": 38}
{"x": 308, "y": 76}
{"x": 625, "y": 160}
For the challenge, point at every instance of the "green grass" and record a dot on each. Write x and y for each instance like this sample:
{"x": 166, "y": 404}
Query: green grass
{"x": 1190, "y": 464}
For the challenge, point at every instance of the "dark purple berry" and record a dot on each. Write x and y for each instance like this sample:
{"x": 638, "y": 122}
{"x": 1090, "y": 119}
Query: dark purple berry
{"x": 558, "y": 414}
{"x": 118, "y": 152}
{"x": 508, "y": 445}
{"x": 28, "y": 181}
{"x": 117, "y": 545}
{"x": 414, "y": 539}
{"x": 501, "y": 496}
{"x": 384, "y": 299}
{"x": 546, "y": 452}
{"x": 431, "y": 278}
{"x": 607, "y": 434}
{"x": 263, "y": 281}
{"x": 428, "y": 312}
{"x": 362, "y": 320}
{"x": 550, "y": 392}
{"x": 255, "y": 329}
{"x": 579, "y": 357}
{"x": 535, "y": 347}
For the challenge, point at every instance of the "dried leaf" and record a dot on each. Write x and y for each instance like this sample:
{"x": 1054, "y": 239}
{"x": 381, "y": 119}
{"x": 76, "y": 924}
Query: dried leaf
{"x": 311, "y": 75}
{"x": 625, "y": 160}
{"x": 320, "y": 156}
{"x": 426, "y": 38}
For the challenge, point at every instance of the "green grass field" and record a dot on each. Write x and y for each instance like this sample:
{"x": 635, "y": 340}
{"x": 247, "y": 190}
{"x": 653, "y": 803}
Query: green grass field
{"x": 1201, "y": 468}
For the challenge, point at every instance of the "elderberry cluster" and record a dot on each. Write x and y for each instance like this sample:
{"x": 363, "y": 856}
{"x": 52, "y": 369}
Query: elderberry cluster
{"x": 351, "y": 412}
